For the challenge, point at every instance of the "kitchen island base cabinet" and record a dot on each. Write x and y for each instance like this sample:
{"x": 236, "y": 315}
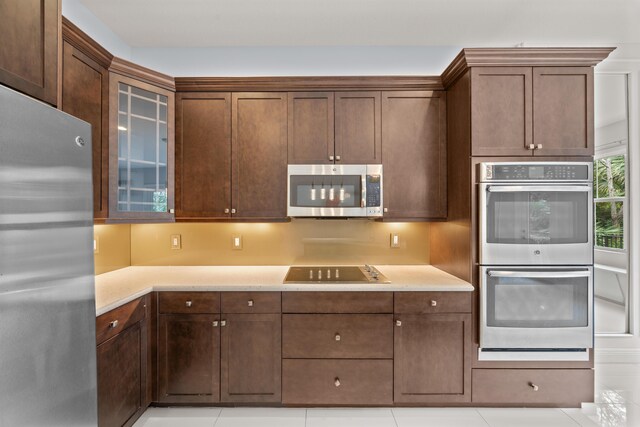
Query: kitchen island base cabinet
{"x": 337, "y": 382}
{"x": 432, "y": 358}
{"x": 251, "y": 358}
{"x": 189, "y": 358}
{"x": 533, "y": 387}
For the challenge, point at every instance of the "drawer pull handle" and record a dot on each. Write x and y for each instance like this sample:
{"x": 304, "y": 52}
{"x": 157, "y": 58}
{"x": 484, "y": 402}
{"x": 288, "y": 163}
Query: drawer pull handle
{"x": 398, "y": 322}
{"x": 215, "y": 323}
{"x": 188, "y": 303}
{"x": 534, "y": 387}
{"x": 337, "y": 382}
{"x": 337, "y": 337}
{"x": 113, "y": 324}
{"x": 434, "y": 303}
{"x": 223, "y": 323}
{"x": 250, "y": 303}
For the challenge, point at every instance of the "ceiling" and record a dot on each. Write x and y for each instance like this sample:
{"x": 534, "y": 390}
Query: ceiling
{"x": 210, "y": 23}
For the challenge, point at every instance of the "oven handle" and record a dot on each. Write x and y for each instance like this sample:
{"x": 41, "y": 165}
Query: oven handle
{"x": 546, "y": 188}
{"x": 539, "y": 274}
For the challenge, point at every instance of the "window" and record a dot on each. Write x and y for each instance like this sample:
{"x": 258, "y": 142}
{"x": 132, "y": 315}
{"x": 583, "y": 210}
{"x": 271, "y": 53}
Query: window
{"x": 609, "y": 176}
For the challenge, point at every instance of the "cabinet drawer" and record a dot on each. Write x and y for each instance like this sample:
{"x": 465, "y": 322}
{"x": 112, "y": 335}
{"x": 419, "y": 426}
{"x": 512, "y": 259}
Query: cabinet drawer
{"x": 119, "y": 319}
{"x": 340, "y": 336}
{"x": 189, "y": 302}
{"x": 337, "y": 382}
{"x": 337, "y": 302}
{"x": 250, "y": 302}
{"x": 432, "y": 302}
{"x": 560, "y": 387}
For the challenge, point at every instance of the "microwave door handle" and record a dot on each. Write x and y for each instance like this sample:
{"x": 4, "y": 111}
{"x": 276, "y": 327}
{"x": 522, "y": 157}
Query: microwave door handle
{"x": 539, "y": 274}
{"x": 545, "y": 188}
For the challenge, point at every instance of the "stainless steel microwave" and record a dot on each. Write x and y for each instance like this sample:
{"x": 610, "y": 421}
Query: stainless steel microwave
{"x": 334, "y": 191}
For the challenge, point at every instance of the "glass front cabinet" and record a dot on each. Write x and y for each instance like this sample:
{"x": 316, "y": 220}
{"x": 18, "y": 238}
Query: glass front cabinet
{"x": 141, "y": 159}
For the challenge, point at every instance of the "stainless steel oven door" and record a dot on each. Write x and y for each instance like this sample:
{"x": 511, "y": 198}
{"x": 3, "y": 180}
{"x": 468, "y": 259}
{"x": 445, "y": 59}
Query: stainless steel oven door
{"x": 536, "y": 224}
{"x": 536, "y": 308}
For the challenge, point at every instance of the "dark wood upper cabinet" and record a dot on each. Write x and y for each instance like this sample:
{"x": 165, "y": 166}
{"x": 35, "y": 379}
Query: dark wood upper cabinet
{"x": 525, "y": 111}
{"x": 141, "y": 148}
{"x": 85, "y": 95}
{"x": 311, "y": 127}
{"x": 358, "y": 128}
{"x": 251, "y": 358}
{"x": 203, "y": 155}
{"x": 501, "y": 105}
{"x": 432, "y": 358}
{"x": 259, "y": 155}
{"x": 414, "y": 154}
{"x": 563, "y": 111}
{"x": 30, "y": 34}
{"x": 188, "y": 358}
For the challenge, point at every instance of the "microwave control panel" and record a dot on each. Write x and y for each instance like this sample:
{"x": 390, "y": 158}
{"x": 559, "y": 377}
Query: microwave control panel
{"x": 535, "y": 172}
{"x": 373, "y": 191}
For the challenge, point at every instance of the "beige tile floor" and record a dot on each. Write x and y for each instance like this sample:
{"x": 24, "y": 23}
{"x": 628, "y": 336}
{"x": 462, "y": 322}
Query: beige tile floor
{"x": 617, "y": 404}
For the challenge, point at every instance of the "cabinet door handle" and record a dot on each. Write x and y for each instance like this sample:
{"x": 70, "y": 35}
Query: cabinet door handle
{"x": 337, "y": 382}
{"x": 113, "y": 324}
{"x": 331, "y": 158}
{"x": 434, "y": 303}
{"x": 188, "y": 303}
{"x": 534, "y": 386}
{"x": 337, "y": 158}
{"x": 539, "y": 147}
{"x": 386, "y": 210}
{"x": 532, "y": 147}
{"x": 226, "y": 210}
{"x": 223, "y": 323}
{"x": 250, "y": 303}
{"x": 398, "y": 322}
{"x": 337, "y": 337}
{"x": 215, "y": 323}
{"x": 233, "y": 211}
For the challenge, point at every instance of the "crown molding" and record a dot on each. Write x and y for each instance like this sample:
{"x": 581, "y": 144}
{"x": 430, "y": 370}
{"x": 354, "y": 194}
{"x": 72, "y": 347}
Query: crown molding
{"x": 85, "y": 44}
{"x": 138, "y": 72}
{"x": 249, "y": 84}
{"x": 523, "y": 57}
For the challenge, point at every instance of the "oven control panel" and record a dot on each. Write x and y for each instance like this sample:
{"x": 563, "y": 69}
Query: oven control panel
{"x": 567, "y": 171}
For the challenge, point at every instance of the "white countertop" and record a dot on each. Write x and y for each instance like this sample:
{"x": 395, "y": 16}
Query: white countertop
{"x": 118, "y": 287}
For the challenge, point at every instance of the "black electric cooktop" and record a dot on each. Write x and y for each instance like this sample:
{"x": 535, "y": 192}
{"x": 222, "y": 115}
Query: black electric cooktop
{"x": 335, "y": 274}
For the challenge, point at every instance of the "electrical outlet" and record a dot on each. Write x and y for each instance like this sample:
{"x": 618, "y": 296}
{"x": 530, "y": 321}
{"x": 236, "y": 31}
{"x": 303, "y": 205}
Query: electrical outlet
{"x": 96, "y": 245}
{"x": 237, "y": 243}
{"x": 394, "y": 240}
{"x": 176, "y": 241}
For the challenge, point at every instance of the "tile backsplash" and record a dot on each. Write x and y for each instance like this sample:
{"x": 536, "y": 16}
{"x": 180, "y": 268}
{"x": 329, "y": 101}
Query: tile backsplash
{"x": 301, "y": 241}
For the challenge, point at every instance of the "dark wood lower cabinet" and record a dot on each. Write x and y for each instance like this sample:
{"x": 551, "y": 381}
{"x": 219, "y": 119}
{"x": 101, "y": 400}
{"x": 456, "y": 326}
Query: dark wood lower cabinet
{"x": 251, "y": 358}
{"x": 337, "y": 382}
{"x": 432, "y": 358}
{"x": 188, "y": 358}
{"x": 121, "y": 388}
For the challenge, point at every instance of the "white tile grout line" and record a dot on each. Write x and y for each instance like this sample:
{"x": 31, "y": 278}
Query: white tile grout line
{"x": 394, "y": 417}
{"x": 483, "y": 418}
{"x": 306, "y": 410}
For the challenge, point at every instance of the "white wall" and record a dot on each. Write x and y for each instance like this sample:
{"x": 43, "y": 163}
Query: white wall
{"x": 77, "y": 13}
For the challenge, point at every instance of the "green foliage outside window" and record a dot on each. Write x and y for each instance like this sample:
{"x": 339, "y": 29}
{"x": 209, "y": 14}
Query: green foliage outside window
{"x": 609, "y": 192}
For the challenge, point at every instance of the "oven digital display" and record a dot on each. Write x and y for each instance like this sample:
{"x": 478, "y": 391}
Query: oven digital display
{"x": 536, "y": 172}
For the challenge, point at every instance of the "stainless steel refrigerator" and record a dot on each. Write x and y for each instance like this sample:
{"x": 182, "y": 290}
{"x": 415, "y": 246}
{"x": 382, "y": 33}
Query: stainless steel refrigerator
{"x": 47, "y": 307}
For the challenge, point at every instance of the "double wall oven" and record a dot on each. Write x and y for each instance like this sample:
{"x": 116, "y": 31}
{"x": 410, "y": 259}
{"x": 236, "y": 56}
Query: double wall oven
{"x": 536, "y": 260}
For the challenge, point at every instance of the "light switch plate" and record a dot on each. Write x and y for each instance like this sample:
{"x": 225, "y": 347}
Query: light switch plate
{"x": 236, "y": 243}
{"x": 96, "y": 245}
{"x": 176, "y": 241}
{"x": 394, "y": 240}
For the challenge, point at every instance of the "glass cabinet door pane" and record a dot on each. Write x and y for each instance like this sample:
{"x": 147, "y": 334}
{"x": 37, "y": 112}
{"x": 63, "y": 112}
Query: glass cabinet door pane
{"x": 142, "y": 150}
